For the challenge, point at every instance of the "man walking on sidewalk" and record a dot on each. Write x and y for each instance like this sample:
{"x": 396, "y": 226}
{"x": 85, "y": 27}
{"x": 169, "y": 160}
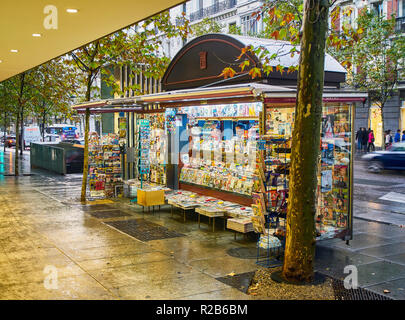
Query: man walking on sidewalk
{"x": 397, "y": 137}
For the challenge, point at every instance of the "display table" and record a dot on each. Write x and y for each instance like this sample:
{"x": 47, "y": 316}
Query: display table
{"x": 184, "y": 206}
{"x": 150, "y": 198}
{"x": 241, "y": 225}
{"x": 210, "y": 212}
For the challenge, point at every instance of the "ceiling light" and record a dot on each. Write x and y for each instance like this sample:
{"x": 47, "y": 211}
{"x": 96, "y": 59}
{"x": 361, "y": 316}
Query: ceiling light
{"x": 14, "y": 50}
{"x": 1, "y": 61}
{"x": 36, "y": 35}
{"x": 71, "y": 10}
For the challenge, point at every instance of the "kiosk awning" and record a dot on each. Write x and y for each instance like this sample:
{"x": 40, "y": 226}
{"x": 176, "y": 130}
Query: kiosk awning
{"x": 209, "y": 96}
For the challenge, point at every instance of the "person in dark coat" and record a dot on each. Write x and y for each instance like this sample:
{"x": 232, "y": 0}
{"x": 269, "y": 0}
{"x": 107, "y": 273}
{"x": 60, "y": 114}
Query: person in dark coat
{"x": 358, "y": 133}
{"x": 364, "y": 139}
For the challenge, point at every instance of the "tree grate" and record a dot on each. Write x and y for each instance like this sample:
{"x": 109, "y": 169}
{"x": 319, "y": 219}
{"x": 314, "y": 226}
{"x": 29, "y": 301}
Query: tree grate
{"x": 108, "y": 214}
{"x": 143, "y": 230}
{"x": 341, "y": 293}
{"x": 240, "y": 281}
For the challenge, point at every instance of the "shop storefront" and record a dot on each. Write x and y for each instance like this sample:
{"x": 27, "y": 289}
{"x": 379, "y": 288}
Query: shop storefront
{"x": 224, "y": 150}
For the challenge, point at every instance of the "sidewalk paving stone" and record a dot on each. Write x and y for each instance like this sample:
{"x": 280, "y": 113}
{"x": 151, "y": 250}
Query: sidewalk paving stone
{"x": 396, "y": 288}
{"x": 380, "y": 271}
{"x": 385, "y": 250}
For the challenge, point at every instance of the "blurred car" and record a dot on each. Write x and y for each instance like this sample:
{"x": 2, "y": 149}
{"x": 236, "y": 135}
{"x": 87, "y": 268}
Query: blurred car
{"x": 75, "y": 141}
{"x": 52, "y": 138}
{"x": 9, "y": 141}
{"x": 392, "y": 159}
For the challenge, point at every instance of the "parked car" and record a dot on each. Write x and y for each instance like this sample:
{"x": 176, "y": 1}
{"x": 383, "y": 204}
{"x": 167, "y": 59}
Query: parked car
{"x": 9, "y": 141}
{"x": 392, "y": 159}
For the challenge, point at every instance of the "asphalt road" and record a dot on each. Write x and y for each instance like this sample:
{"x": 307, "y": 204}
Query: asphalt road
{"x": 379, "y": 196}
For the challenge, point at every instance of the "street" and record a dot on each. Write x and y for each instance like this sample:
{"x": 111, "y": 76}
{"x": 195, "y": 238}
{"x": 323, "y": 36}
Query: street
{"x": 379, "y": 196}
{"x": 55, "y": 248}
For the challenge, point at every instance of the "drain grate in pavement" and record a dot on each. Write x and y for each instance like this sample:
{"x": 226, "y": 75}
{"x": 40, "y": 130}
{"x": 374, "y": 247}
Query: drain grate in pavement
{"x": 246, "y": 253}
{"x": 109, "y": 214}
{"x": 144, "y": 230}
{"x": 341, "y": 293}
{"x": 240, "y": 281}
{"x": 96, "y": 207}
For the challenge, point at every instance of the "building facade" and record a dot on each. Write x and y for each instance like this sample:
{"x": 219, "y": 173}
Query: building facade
{"x": 369, "y": 114}
{"x": 237, "y": 15}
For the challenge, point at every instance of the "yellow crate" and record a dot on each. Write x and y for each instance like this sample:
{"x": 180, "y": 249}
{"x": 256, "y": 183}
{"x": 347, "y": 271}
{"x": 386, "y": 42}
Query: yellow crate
{"x": 150, "y": 198}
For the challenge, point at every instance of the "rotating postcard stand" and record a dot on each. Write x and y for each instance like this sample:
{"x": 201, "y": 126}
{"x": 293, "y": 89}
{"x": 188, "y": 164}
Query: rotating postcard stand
{"x": 270, "y": 206}
{"x": 333, "y": 218}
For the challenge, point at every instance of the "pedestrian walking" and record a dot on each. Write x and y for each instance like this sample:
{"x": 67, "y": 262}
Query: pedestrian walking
{"x": 358, "y": 133}
{"x": 403, "y": 136}
{"x": 388, "y": 139}
{"x": 364, "y": 139}
{"x": 397, "y": 137}
{"x": 371, "y": 140}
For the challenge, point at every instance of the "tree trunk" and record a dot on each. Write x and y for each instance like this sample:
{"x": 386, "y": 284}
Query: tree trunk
{"x": 22, "y": 143}
{"x": 86, "y": 142}
{"x": 17, "y": 143}
{"x": 43, "y": 124}
{"x": 17, "y": 124}
{"x": 300, "y": 238}
{"x": 382, "y": 127}
{"x": 5, "y": 131}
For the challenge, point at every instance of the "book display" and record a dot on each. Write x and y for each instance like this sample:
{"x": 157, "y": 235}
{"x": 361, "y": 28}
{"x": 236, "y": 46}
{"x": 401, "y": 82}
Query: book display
{"x": 222, "y": 152}
{"x": 104, "y": 165}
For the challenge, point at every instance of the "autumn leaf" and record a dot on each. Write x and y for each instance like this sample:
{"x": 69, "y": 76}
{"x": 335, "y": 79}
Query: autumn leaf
{"x": 275, "y": 35}
{"x": 228, "y": 73}
{"x": 243, "y": 52}
{"x": 255, "y": 72}
{"x": 244, "y": 64}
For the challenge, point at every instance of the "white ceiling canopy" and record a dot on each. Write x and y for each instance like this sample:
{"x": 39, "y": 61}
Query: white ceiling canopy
{"x": 35, "y": 31}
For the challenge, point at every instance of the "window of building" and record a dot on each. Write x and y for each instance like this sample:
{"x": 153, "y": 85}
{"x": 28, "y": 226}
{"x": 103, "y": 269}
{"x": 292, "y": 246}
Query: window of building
{"x": 249, "y": 25}
{"x": 378, "y": 7}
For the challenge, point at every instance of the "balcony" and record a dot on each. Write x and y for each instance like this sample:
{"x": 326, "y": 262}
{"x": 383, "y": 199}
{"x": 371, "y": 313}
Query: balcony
{"x": 400, "y": 24}
{"x": 211, "y": 10}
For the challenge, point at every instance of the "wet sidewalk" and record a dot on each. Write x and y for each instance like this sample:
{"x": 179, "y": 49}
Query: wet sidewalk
{"x": 52, "y": 247}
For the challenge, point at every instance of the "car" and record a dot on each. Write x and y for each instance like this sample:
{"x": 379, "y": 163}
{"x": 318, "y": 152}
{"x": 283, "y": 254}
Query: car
{"x": 52, "y": 138}
{"x": 75, "y": 141}
{"x": 9, "y": 141}
{"x": 391, "y": 159}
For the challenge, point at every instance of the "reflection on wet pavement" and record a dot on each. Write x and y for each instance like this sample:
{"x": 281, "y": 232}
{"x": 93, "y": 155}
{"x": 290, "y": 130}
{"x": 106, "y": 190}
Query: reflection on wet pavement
{"x": 43, "y": 227}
